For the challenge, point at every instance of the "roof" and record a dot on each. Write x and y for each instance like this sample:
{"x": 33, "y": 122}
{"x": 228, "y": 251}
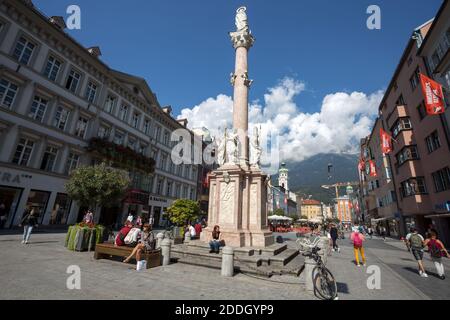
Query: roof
{"x": 310, "y": 202}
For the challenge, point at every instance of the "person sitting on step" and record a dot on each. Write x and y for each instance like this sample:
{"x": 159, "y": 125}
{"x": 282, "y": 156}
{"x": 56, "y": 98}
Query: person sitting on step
{"x": 216, "y": 241}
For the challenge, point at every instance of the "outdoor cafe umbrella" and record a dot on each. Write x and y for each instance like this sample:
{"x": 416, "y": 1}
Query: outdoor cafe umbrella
{"x": 274, "y": 217}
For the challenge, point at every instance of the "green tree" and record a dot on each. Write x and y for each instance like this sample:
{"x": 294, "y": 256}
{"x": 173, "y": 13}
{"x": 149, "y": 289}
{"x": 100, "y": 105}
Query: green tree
{"x": 279, "y": 212}
{"x": 182, "y": 211}
{"x": 97, "y": 185}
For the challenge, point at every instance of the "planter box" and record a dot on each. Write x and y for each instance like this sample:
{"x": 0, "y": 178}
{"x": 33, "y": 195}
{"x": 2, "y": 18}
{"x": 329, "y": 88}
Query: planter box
{"x": 84, "y": 238}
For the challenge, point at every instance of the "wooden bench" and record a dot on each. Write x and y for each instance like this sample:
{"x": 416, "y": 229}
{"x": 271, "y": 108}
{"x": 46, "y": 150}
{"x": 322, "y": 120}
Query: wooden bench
{"x": 106, "y": 250}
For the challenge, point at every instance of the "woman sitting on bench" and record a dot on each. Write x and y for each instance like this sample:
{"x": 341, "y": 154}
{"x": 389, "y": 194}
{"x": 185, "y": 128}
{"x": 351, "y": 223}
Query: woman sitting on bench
{"x": 145, "y": 244}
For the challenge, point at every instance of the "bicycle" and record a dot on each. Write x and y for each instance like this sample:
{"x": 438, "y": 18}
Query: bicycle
{"x": 323, "y": 280}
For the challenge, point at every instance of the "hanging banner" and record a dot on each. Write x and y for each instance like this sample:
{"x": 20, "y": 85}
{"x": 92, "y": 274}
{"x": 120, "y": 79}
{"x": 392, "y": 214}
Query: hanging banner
{"x": 433, "y": 95}
{"x": 361, "y": 165}
{"x": 385, "y": 138}
{"x": 373, "y": 168}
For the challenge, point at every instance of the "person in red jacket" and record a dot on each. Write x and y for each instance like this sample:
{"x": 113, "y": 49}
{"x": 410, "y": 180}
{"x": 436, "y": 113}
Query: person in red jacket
{"x": 198, "y": 229}
{"x": 119, "y": 241}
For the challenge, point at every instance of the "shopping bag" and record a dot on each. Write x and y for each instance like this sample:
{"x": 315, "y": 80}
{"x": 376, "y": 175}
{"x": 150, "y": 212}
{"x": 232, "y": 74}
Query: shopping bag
{"x": 141, "y": 265}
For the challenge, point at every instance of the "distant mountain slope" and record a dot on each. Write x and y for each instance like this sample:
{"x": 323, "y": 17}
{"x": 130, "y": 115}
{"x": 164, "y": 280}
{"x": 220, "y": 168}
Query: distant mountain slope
{"x": 307, "y": 177}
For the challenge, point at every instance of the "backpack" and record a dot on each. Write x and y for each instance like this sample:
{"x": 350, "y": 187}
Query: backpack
{"x": 357, "y": 240}
{"x": 435, "y": 249}
{"x": 416, "y": 241}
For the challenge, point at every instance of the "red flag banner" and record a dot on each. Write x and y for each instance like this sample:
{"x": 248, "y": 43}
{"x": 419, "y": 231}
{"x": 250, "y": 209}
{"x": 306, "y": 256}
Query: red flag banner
{"x": 361, "y": 164}
{"x": 433, "y": 95}
{"x": 385, "y": 138}
{"x": 373, "y": 168}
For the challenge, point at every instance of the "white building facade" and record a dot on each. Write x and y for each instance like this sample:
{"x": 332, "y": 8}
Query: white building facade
{"x": 56, "y": 99}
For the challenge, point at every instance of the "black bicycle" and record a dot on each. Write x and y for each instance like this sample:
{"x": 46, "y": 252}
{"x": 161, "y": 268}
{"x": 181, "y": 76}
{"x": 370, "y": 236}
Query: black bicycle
{"x": 323, "y": 280}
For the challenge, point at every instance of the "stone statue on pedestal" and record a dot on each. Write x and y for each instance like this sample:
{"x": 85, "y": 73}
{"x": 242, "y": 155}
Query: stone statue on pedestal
{"x": 222, "y": 149}
{"x": 241, "y": 19}
{"x": 232, "y": 146}
{"x": 255, "y": 148}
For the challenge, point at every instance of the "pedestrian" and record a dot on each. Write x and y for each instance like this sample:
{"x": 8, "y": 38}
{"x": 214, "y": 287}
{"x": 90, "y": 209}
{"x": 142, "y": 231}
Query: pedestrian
{"x": 334, "y": 237}
{"x": 3, "y": 216}
{"x": 415, "y": 242}
{"x": 130, "y": 217}
{"x": 357, "y": 238}
{"x": 370, "y": 232}
{"x": 437, "y": 251}
{"x": 383, "y": 232}
{"x": 192, "y": 232}
{"x": 88, "y": 217}
{"x": 198, "y": 228}
{"x": 28, "y": 222}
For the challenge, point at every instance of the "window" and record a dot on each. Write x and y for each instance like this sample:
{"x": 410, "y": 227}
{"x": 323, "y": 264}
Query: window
{"x": 400, "y": 101}
{"x": 177, "y": 191}
{"x": 433, "y": 142}
{"x": 118, "y": 137}
{"x": 23, "y": 152}
{"x": 132, "y": 144}
{"x": 73, "y": 80}
{"x": 415, "y": 79}
{"x": 52, "y": 68}
{"x": 146, "y": 128}
{"x": 400, "y": 125}
{"x": 377, "y": 183}
{"x": 141, "y": 149}
{"x": 171, "y": 166}
{"x": 103, "y": 132}
{"x": 180, "y": 170}
{"x": 8, "y": 91}
{"x": 135, "y": 120}
{"x": 185, "y": 191}
{"x": 413, "y": 186}
{"x": 194, "y": 173}
{"x": 169, "y": 189}
{"x": 48, "y": 161}
{"x": 61, "y": 117}
{"x": 72, "y": 163}
{"x": 157, "y": 133}
{"x": 91, "y": 91}
{"x": 162, "y": 161}
{"x": 191, "y": 194}
{"x": 147, "y": 183}
{"x": 81, "y": 128}
{"x": 110, "y": 104}
{"x": 441, "y": 179}
{"x": 166, "y": 138}
{"x": 24, "y": 50}
{"x": 407, "y": 153}
{"x": 38, "y": 108}
{"x": 421, "y": 109}
{"x": 123, "y": 112}
{"x": 159, "y": 186}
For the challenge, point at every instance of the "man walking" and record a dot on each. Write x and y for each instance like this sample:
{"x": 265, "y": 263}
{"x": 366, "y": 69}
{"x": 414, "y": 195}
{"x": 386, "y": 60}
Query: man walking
{"x": 415, "y": 241}
{"x": 334, "y": 236}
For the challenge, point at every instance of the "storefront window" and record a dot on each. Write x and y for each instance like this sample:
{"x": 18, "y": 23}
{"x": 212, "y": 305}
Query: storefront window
{"x": 38, "y": 200}
{"x": 61, "y": 209}
{"x": 9, "y": 197}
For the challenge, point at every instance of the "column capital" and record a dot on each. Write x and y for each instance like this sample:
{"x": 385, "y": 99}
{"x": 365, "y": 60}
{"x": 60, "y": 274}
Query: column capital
{"x": 242, "y": 39}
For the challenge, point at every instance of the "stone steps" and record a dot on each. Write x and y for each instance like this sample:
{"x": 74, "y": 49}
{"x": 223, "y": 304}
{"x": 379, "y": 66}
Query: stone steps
{"x": 275, "y": 259}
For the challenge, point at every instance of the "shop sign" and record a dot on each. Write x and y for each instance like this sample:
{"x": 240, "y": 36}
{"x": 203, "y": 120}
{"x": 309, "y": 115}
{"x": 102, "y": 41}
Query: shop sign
{"x": 158, "y": 199}
{"x": 7, "y": 177}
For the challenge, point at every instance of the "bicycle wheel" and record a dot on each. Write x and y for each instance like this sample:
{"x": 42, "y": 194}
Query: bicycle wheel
{"x": 325, "y": 284}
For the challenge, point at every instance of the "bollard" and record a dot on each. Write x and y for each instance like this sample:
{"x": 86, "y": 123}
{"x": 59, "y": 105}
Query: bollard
{"x": 165, "y": 251}
{"x": 307, "y": 273}
{"x": 227, "y": 262}
{"x": 323, "y": 245}
{"x": 187, "y": 237}
{"x": 159, "y": 239}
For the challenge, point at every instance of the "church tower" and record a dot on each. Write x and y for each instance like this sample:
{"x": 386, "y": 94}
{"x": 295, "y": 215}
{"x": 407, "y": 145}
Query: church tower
{"x": 283, "y": 177}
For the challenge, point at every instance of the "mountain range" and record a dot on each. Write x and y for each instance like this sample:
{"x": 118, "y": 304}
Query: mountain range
{"x": 307, "y": 177}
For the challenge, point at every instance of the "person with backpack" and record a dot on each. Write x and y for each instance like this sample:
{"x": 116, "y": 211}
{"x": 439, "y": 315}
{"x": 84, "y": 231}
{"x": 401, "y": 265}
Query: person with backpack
{"x": 437, "y": 251}
{"x": 357, "y": 238}
{"x": 415, "y": 242}
{"x": 334, "y": 236}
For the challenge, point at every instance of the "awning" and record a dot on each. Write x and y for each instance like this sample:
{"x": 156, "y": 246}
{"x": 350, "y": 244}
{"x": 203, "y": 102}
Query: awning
{"x": 444, "y": 215}
{"x": 380, "y": 219}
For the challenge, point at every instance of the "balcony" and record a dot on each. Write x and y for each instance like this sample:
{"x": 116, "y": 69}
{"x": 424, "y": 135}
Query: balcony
{"x": 398, "y": 112}
{"x": 120, "y": 156}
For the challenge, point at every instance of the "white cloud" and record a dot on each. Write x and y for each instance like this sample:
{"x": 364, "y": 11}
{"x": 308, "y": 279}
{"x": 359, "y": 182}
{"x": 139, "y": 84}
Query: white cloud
{"x": 344, "y": 119}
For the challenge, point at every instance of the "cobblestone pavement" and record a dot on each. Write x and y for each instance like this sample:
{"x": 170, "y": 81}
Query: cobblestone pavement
{"x": 38, "y": 271}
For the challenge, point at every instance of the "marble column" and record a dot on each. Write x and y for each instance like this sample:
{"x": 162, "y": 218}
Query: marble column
{"x": 242, "y": 42}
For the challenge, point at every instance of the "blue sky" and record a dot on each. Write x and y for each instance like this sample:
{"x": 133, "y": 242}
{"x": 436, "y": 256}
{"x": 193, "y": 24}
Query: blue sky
{"x": 183, "y": 50}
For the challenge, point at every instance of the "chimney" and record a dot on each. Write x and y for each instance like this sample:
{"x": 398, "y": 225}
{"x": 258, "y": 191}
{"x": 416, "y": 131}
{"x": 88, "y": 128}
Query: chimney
{"x": 94, "y": 51}
{"x": 58, "y": 21}
{"x": 183, "y": 122}
{"x": 167, "y": 110}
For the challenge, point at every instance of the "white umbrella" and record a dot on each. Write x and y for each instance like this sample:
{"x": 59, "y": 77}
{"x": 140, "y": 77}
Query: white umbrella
{"x": 275, "y": 217}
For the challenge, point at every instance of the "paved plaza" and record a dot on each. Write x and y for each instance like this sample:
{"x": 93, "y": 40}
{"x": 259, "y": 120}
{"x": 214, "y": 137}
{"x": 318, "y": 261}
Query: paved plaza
{"x": 39, "y": 271}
